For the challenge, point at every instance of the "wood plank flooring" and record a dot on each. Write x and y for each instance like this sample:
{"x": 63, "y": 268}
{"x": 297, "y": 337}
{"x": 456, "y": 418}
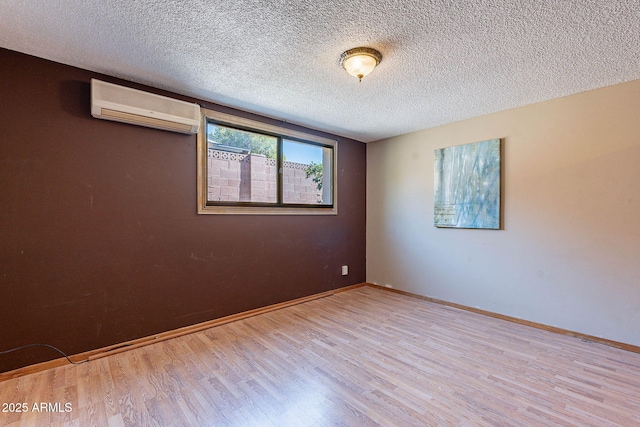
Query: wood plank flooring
{"x": 364, "y": 357}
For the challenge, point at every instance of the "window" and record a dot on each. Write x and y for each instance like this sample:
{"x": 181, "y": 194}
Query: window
{"x": 249, "y": 167}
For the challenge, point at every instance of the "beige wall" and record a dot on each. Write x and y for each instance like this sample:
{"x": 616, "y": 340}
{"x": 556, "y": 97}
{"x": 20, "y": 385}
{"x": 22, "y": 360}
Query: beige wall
{"x": 569, "y": 254}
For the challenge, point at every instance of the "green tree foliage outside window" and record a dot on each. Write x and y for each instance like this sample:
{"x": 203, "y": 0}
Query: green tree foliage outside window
{"x": 256, "y": 143}
{"x": 314, "y": 170}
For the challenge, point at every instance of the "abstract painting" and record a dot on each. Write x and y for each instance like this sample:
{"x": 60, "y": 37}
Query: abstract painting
{"x": 467, "y": 186}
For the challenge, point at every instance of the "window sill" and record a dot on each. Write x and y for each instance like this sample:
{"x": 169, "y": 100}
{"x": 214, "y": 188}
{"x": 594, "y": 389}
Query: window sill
{"x": 251, "y": 210}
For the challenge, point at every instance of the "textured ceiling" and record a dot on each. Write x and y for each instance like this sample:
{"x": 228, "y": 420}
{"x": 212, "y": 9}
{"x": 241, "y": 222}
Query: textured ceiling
{"x": 443, "y": 60}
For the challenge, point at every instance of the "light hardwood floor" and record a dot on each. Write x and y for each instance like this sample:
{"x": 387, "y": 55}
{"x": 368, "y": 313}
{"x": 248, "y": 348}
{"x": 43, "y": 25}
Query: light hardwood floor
{"x": 361, "y": 357}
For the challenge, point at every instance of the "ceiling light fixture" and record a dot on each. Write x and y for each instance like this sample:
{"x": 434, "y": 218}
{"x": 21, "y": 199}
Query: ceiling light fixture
{"x": 360, "y": 61}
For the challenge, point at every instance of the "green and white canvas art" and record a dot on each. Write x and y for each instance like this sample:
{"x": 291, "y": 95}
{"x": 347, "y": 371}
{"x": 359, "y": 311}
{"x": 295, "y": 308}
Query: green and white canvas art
{"x": 467, "y": 186}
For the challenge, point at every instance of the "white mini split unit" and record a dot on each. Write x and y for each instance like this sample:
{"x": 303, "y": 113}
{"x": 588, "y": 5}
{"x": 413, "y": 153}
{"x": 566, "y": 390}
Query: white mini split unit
{"x": 123, "y": 104}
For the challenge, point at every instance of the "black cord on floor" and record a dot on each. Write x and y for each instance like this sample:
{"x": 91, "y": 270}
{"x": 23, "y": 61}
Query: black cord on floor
{"x": 44, "y": 345}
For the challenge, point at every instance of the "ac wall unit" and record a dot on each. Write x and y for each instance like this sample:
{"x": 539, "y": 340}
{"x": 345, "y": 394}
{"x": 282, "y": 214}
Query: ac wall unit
{"x": 123, "y": 104}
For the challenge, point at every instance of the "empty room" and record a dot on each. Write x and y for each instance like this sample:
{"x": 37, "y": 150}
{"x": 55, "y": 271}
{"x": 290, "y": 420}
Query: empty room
{"x": 320, "y": 213}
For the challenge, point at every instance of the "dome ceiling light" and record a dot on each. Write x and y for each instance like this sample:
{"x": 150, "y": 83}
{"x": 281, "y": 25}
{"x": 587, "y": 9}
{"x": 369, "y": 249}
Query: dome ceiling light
{"x": 360, "y": 61}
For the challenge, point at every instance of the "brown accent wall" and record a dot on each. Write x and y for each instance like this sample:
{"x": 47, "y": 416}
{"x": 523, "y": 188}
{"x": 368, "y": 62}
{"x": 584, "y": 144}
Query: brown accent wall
{"x": 100, "y": 240}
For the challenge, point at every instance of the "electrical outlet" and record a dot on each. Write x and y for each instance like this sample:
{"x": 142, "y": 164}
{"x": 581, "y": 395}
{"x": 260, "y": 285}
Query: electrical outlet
{"x": 345, "y": 270}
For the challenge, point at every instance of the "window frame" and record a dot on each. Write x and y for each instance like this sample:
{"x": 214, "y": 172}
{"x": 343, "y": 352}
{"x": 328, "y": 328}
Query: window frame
{"x": 259, "y": 208}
